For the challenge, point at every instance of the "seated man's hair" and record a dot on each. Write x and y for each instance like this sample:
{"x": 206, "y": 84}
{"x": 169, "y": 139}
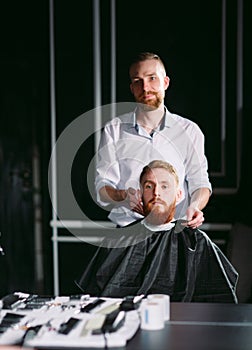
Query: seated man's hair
{"x": 160, "y": 164}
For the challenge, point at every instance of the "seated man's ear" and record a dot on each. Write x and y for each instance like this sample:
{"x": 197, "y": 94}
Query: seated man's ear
{"x": 178, "y": 195}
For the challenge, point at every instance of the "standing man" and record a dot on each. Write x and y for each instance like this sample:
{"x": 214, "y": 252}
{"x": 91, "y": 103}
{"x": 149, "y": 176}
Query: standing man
{"x": 151, "y": 132}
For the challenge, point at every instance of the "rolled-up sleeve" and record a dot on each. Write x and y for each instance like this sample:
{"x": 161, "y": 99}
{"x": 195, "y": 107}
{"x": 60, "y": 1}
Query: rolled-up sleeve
{"x": 107, "y": 167}
{"x": 196, "y": 161}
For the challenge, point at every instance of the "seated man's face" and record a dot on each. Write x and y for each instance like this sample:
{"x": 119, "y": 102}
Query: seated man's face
{"x": 160, "y": 194}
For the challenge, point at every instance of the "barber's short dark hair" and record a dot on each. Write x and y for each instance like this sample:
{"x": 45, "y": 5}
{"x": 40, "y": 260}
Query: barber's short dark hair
{"x": 144, "y": 56}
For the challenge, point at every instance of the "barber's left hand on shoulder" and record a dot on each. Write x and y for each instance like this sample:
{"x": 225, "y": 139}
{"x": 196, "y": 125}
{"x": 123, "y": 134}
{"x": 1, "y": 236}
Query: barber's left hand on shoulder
{"x": 195, "y": 217}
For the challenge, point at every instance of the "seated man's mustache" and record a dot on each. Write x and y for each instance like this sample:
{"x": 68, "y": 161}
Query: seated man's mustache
{"x": 156, "y": 200}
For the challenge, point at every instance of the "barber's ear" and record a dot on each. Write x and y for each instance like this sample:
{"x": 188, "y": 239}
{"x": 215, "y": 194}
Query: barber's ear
{"x": 179, "y": 195}
{"x": 166, "y": 82}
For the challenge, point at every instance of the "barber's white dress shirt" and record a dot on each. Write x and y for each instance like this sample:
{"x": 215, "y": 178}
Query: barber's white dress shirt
{"x": 126, "y": 147}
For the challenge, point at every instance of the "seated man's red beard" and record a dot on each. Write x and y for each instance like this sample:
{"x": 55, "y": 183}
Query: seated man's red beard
{"x": 159, "y": 214}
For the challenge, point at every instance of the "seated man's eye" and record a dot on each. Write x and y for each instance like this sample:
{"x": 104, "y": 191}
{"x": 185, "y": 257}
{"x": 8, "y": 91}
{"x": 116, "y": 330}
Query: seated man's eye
{"x": 148, "y": 187}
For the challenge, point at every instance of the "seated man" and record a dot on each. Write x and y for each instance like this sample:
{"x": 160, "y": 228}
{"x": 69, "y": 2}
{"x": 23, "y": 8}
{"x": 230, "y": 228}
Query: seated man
{"x": 158, "y": 254}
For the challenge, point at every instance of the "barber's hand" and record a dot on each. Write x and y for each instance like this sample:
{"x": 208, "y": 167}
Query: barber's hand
{"x": 134, "y": 200}
{"x": 195, "y": 217}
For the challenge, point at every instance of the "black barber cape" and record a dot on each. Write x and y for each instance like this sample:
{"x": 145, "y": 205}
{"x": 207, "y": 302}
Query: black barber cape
{"x": 180, "y": 262}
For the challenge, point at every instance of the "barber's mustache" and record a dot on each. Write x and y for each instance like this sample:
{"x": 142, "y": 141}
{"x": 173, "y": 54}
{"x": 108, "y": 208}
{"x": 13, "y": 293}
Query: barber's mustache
{"x": 146, "y": 93}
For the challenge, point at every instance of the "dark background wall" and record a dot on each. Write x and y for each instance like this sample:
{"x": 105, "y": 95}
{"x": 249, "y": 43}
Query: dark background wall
{"x": 187, "y": 35}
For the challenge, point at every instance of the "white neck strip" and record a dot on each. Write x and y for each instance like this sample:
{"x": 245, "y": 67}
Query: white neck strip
{"x": 164, "y": 227}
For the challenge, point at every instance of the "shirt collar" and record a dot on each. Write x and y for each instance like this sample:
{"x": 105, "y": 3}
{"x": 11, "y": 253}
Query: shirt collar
{"x": 167, "y": 121}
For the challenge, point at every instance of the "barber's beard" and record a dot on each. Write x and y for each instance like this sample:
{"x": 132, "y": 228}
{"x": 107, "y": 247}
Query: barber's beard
{"x": 159, "y": 214}
{"x": 149, "y": 105}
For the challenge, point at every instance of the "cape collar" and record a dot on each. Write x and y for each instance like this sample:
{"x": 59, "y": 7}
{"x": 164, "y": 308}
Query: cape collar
{"x": 155, "y": 228}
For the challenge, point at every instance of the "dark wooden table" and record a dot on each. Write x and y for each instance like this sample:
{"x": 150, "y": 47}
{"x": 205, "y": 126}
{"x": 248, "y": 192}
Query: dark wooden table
{"x": 200, "y": 326}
